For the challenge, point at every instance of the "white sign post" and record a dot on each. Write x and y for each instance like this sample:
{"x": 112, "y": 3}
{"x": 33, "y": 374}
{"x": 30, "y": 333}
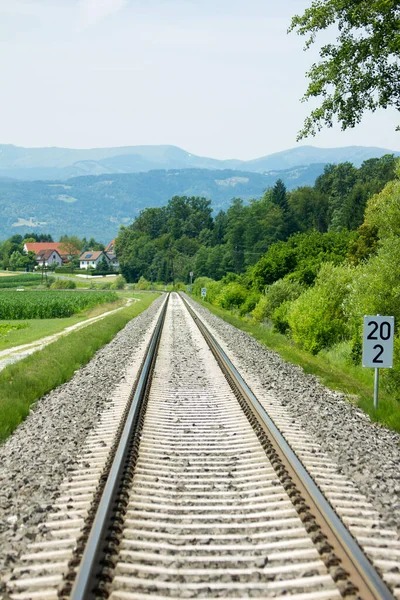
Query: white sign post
{"x": 378, "y": 346}
{"x": 203, "y": 292}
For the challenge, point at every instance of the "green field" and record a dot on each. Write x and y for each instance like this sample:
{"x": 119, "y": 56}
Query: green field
{"x": 24, "y": 382}
{"x": 19, "y": 332}
{"x": 21, "y": 281}
{"x": 49, "y": 304}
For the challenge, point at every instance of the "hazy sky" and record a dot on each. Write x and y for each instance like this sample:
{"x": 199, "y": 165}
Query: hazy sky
{"x": 219, "y": 78}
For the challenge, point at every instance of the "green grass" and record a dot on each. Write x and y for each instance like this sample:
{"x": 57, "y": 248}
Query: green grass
{"x": 331, "y": 367}
{"x": 23, "y": 383}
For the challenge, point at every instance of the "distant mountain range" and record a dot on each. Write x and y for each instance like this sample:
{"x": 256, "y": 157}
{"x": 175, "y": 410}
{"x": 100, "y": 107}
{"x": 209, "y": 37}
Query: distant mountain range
{"x": 98, "y": 205}
{"x": 92, "y": 192}
{"x": 63, "y": 163}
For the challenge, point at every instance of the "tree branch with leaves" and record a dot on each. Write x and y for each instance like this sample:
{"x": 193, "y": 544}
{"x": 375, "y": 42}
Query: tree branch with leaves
{"x": 358, "y": 73}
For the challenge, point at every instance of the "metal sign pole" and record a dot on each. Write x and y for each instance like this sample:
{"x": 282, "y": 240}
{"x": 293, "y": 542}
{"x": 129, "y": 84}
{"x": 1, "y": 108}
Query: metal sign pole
{"x": 376, "y": 388}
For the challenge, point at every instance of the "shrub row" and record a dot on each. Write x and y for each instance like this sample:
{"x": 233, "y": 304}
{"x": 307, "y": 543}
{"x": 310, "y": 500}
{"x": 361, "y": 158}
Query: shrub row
{"x": 327, "y": 313}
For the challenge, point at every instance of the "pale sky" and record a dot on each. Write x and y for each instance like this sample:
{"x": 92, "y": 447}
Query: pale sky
{"x": 219, "y": 78}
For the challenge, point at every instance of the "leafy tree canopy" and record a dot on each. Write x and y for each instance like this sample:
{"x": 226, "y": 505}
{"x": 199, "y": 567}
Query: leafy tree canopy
{"x": 302, "y": 256}
{"x": 166, "y": 244}
{"x": 71, "y": 244}
{"x": 359, "y": 72}
{"x": 38, "y": 237}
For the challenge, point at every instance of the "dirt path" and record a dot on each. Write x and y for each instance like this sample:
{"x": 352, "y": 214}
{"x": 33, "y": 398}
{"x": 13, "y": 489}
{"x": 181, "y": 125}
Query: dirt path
{"x": 17, "y": 353}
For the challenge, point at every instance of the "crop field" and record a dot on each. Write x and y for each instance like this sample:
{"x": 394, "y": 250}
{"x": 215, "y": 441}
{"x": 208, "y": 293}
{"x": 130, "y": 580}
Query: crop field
{"x": 14, "y": 281}
{"x": 49, "y": 304}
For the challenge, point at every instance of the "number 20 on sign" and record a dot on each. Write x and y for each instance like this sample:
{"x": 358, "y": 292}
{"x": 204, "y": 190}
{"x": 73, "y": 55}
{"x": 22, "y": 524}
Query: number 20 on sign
{"x": 378, "y": 346}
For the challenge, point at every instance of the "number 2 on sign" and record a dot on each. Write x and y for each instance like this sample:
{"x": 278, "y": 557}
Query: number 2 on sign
{"x": 376, "y": 359}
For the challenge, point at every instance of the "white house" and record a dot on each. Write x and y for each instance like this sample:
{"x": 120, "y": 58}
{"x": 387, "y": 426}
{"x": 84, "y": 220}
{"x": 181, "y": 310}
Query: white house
{"x": 38, "y": 247}
{"x": 48, "y": 257}
{"x": 91, "y": 258}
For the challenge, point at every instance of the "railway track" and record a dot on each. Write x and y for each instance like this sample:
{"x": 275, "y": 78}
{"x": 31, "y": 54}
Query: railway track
{"x": 187, "y": 489}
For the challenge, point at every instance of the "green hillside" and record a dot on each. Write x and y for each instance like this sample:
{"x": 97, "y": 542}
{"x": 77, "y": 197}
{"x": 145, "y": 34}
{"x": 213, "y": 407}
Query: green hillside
{"x": 98, "y": 205}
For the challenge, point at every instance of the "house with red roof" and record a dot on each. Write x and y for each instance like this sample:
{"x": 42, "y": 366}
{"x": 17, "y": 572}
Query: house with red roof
{"x": 38, "y": 247}
{"x": 110, "y": 247}
{"x": 110, "y": 251}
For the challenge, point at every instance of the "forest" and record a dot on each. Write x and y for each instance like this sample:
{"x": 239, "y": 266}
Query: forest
{"x": 165, "y": 244}
{"x": 309, "y": 263}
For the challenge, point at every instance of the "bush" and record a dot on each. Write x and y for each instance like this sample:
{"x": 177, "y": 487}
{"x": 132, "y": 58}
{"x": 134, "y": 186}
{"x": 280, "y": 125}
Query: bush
{"x": 376, "y": 285}
{"x": 230, "y": 278}
{"x": 5, "y": 328}
{"x": 119, "y": 283}
{"x": 280, "y": 317}
{"x": 275, "y": 294}
{"x": 232, "y": 295}
{"x": 391, "y": 377}
{"x": 259, "y": 312}
{"x": 301, "y": 256}
{"x": 68, "y": 271}
{"x": 63, "y": 284}
{"x": 316, "y": 318}
{"x": 376, "y": 290}
{"x": 250, "y": 303}
{"x": 143, "y": 284}
{"x": 213, "y": 288}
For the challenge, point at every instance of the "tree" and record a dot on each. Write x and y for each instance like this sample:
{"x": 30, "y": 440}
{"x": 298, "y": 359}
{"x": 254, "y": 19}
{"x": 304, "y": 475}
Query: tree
{"x": 37, "y": 237}
{"x": 278, "y": 195}
{"x": 309, "y": 209}
{"x": 361, "y": 71}
{"x": 220, "y": 224}
{"x": 71, "y": 244}
{"x": 103, "y": 266}
{"x": 383, "y": 210}
{"x": 16, "y": 260}
{"x": 301, "y": 256}
{"x": 93, "y": 245}
{"x": 30, "y": 260}
{"x": 234, "y": 233}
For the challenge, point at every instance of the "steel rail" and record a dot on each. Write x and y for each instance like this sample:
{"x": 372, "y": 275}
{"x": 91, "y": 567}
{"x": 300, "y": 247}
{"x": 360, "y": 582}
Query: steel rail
{"x": 361, "y": 572}
{"x": 84, "y": 587}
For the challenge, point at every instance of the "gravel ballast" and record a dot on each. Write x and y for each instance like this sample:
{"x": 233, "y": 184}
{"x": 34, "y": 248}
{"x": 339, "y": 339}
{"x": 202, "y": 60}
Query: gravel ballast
{"x": 365, "y": 452}
{"x": 36, "y": 458}
{"x": 39, "y": 454}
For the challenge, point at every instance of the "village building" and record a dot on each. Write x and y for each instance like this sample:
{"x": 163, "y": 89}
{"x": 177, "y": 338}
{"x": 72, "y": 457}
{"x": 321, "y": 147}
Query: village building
{"x": 109, "y": 250}
{"x": 48, "y": 257}
{"x": 91, "y": 258}
{"x": 38, "y": 247}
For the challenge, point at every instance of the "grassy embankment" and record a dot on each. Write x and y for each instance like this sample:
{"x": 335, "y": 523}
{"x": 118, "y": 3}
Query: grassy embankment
{"x": 331, "y": 367}
{"x": 22, "y": 383}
